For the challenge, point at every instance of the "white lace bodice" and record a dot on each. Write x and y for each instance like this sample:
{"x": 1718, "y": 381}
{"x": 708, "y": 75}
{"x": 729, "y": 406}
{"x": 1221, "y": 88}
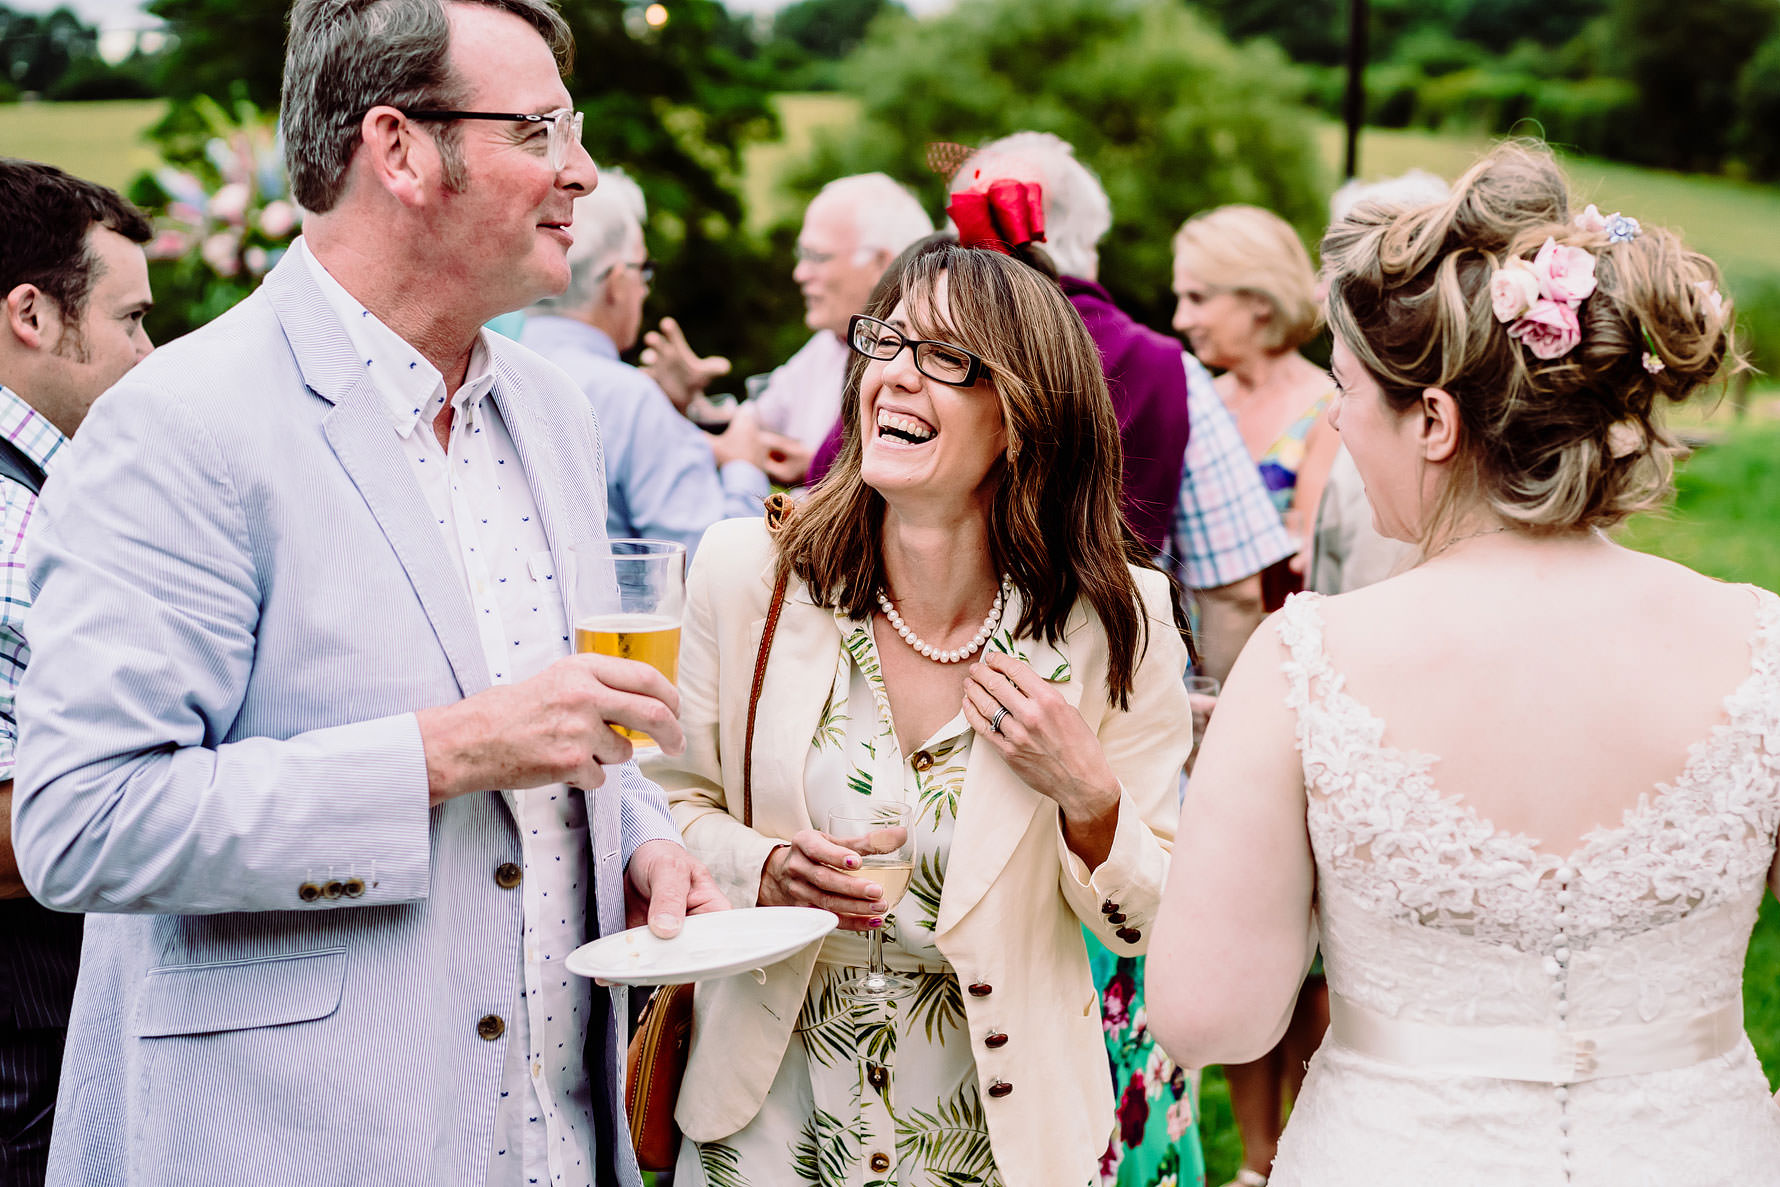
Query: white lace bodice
{"x": 1430, "y": 914}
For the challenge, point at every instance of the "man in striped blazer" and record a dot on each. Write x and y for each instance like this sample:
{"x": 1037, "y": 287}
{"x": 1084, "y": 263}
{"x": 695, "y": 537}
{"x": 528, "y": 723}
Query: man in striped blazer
{"x": 302, "y": 727}
{"x": 73, "y": 293}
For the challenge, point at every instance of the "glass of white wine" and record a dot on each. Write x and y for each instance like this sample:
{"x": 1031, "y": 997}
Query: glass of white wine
{"x": 628, "y": 597}
{"x": 883, "y": 836}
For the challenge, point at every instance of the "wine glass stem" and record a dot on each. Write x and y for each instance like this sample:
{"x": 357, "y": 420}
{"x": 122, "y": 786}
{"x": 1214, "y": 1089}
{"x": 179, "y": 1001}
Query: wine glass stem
{"x": 875, "y": 945}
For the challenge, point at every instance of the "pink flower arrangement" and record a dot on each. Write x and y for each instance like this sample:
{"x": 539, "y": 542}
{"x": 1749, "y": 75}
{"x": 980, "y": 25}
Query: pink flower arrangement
{"x": 1513, "y": 289}
{"x": 1537, "y": 299}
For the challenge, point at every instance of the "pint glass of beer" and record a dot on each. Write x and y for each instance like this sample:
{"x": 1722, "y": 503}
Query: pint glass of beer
{"x": 628, "y": 596}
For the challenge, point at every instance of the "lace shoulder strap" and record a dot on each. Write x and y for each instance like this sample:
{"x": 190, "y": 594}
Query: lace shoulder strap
{"x": 1765, "y": 653}
{"x": 1309, "y": 675}
{"x": 1763, "y": 703}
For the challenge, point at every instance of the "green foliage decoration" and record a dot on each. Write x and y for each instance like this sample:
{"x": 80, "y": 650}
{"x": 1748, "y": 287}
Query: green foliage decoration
{"x": 1172, "y": 117}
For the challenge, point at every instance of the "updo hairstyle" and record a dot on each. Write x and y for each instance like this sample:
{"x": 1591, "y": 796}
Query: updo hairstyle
{"x": 1249, "y": 250}
{"x": 1559, "y": 444}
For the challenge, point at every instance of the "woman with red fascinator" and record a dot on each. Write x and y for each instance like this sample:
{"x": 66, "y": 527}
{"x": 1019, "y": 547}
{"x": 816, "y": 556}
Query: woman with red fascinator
{"x": 1157, "y": 1138}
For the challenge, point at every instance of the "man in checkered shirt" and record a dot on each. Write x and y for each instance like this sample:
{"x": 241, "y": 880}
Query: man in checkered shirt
{"x": 73, "y": 293}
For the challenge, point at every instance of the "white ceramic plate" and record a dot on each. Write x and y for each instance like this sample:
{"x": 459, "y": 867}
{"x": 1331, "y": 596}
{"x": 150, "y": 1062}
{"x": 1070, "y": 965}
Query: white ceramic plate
{"x": 715, "y": 945}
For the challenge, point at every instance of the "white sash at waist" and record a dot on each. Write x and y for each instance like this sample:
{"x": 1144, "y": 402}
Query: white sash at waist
{"x": 1535, "y": 1053}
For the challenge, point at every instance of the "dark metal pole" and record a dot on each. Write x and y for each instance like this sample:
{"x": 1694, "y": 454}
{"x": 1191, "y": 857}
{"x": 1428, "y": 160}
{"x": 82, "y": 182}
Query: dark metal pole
{"x": 1354, "y": 109}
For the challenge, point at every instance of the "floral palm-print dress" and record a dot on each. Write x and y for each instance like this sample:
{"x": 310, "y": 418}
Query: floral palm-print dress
{"x": 872, "y": 1095}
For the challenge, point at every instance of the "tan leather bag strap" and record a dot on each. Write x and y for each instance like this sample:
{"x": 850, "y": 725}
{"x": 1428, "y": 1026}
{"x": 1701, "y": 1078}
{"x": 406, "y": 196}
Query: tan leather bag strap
{"x": 766, "y": 645}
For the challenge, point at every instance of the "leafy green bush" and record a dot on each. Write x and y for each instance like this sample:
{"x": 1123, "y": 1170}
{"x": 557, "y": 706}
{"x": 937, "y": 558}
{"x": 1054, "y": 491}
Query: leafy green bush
{"x": 1171, "y": 116}
{"x": 1758, "y": 96}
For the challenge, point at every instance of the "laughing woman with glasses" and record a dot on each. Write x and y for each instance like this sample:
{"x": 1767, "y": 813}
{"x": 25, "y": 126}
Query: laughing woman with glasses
{"x": 968, "y": 627}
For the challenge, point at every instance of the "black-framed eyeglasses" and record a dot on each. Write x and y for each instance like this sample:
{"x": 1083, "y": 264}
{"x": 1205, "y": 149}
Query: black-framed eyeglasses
{"x": 645, "y": 270}
{"x": 938, "y": 360}
{"x": 564, "y": 123}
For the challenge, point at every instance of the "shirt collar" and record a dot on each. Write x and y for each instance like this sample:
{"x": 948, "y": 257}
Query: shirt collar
{"x": 29, "y": 430}
{"x": 553, "y": 328}
{"x": 409, "y": 384}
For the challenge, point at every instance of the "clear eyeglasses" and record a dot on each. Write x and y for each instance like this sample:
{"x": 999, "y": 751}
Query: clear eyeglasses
{"x": 938, "y": 360}
{"x": 564, "y": 124}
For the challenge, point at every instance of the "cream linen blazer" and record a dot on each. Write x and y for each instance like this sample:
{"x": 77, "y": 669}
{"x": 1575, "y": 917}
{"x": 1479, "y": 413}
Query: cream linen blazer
{"x": 1014, "y": 897}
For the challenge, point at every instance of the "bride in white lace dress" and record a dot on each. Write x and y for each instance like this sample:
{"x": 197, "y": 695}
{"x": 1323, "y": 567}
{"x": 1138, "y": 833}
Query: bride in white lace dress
{"x": 1526, "y": 793}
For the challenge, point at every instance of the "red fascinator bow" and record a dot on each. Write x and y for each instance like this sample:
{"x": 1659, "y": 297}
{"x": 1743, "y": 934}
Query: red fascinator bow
{"x": 1008, "y": 214}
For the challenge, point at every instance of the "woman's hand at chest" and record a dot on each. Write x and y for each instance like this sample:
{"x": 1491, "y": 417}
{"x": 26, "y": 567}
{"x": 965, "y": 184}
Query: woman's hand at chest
{"x": 1045, "y": 741}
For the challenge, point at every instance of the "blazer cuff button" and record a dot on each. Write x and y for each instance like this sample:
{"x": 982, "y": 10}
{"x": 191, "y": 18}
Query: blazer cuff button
{"x": 1129, "y": 934}
{"x": 309, "y": 891}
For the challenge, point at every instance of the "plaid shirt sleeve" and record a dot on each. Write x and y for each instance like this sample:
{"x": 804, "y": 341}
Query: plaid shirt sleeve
{"x": 40, "y": 441}
{"x": 16, "y": 505}
{"x": 1225, "y": 524}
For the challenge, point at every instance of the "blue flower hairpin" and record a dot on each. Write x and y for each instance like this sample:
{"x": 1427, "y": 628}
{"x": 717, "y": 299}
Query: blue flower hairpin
{"x": 1619, "y": 228}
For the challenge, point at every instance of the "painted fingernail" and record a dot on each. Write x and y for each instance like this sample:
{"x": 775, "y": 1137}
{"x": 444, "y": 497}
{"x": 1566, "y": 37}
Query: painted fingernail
{"x": 852, "y": 863}
{"x": 875, "y": 921}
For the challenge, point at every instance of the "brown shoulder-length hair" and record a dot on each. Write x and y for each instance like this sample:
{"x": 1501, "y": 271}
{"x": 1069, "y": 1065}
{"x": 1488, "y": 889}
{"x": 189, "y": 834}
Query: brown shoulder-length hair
{"x": 1055, "y": 527}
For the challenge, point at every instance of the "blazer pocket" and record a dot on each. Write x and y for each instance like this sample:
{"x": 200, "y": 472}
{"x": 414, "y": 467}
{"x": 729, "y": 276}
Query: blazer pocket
{"x": 194, "y": 999}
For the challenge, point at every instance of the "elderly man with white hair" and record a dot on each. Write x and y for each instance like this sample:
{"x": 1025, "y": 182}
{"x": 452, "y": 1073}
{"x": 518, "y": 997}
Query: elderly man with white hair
{"x": 666, "y": 479}
{"x": 1194, "y": 495}
{"x": 852, "y": 229}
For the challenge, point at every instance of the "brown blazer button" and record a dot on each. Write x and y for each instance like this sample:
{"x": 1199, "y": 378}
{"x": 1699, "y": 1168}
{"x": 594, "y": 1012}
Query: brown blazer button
{"x": 877, "y": 1075}
{"x": 1108, "y": 907}
{"x": 980, "y": 990}
{"x": 995, "y": 1040}
{"x": 309, "y": 891}
{"x": 491, "y": 1027}
{"x": 922, "y": 761}
{"x": 1116, "y": 917}
{"x": 507, "y": 875}
{"x": 333, "y": 890}
{"x": 352, "y": 887}
{"x": 999, "y": 1088}
{"x": 880, "y": 1162}
{"x": 1129, "y": 934}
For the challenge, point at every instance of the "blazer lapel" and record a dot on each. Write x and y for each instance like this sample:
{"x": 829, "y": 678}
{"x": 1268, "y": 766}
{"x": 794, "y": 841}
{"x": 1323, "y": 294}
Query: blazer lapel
{"x": 997, "y": 808}
{"x": 369, "y": 450}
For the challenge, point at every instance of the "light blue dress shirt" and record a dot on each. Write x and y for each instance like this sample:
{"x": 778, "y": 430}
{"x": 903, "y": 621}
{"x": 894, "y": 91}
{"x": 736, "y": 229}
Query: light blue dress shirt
{"x": 662, "y": 482}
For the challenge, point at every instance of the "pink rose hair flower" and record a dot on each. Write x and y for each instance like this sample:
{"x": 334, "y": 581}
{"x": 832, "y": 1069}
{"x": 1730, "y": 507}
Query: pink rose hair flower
{"x": 1537, "y": 299}
{"x": 1513, "y": 289}
{"x": 1565, "y": 273}
{"x": 1549, "y": 329}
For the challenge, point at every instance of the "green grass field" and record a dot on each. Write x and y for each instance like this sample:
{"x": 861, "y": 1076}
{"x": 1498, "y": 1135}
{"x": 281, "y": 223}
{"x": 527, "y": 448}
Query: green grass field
{"x": 1725, "y": 219}
{"x": 104, "y": 142}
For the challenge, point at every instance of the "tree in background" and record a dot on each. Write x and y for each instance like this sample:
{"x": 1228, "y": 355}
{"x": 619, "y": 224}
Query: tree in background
{"x": 1684, "y": 61}
{"x": 1171, "y": 116}
{"x": 811, "y": 37}
{"x": 674, "y": 105}
{"x": 56, "y": 56}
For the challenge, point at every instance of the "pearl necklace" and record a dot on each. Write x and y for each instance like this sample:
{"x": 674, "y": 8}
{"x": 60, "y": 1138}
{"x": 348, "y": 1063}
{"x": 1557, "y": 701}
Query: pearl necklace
{"x": 948, "y": 657}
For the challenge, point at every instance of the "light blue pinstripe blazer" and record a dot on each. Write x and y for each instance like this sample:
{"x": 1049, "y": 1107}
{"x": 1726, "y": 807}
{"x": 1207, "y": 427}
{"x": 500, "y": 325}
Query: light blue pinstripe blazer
{"x": 241, "y": 600}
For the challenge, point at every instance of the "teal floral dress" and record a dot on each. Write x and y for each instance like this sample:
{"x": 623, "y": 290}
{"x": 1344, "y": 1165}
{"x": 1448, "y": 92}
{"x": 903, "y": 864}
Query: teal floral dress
{"x": 1156, "y": 1143}
{"x": 872, "y": 1095}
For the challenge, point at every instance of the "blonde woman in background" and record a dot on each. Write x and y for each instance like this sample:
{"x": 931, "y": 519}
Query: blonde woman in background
{"x": 1247, "y": 301}
{"x": 1246, "y": 294}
